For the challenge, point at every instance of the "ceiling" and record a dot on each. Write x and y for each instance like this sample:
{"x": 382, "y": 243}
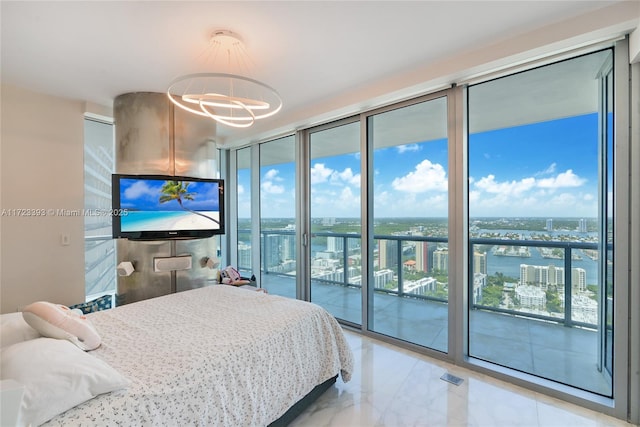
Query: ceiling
{"x": 315, "y": 53}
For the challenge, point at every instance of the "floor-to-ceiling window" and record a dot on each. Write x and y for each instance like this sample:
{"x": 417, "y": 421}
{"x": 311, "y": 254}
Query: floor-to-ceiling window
{"x": 243, "y": 194}
{"x": 408, "y": 287}
{"x": 278, "y": 217}
{"x": 334, "y": 176}
{"x": 540, "y": 172}
{"x": 99, "y": 249}
{"x": 515, "y": 268}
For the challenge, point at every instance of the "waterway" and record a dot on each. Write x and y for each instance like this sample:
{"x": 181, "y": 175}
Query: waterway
{"x": 510, "y": 265}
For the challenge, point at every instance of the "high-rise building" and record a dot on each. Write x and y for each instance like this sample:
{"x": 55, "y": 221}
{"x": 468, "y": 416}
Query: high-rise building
{"x": 328, "y": 221}
{"x": 270, "y": 250}
{"x": 335, "y": 244}
{"x": 531, "y": 297}
{"x": 479, "y": 282}
{"x": 382, "y": 277}
{"x": 387, "y": 253}
{"x": 420, "y": 287}
{"x": 422, "y": 256}
{"x": 582, "y": 225}
{"x": 544, "y": 276}
{"x": 441, "y": 259}
{"x": 244, "y": 255}
{"x": 579, "y": 279}
{"x": 533, "y": 275}
{"x": 480, "y": 262}
{"x": 288, "y": 247}
{"x": 549, "y": 225}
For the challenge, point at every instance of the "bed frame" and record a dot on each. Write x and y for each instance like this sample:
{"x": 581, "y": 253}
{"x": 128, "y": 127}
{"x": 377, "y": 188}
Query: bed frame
{"x": 301, "y": 405}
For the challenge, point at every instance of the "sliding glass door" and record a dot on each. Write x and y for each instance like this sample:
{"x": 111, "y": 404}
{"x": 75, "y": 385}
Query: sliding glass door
{"x": 243, "y": 194}
{"x": 475, "y": 224}
{"x": 408, "y": 287}
{"x": 278, "y": 217}
{"x": 540, "y": 222}
{"x": 334, "y": 177}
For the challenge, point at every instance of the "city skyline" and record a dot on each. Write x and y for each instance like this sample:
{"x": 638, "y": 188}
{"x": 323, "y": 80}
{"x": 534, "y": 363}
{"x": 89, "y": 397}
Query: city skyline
{"x": 546, "y": 169}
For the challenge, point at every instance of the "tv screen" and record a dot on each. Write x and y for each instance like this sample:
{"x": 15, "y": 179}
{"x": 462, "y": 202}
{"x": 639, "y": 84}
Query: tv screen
{"x": 155, "y": 207}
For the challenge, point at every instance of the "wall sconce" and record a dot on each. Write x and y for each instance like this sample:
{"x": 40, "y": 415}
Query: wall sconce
{"x": 209, "y": 262}
{"x": 125, "y": 268}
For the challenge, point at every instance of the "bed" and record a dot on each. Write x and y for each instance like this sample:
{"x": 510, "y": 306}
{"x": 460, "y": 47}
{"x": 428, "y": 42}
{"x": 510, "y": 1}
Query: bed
{"x": 214, "y": 356}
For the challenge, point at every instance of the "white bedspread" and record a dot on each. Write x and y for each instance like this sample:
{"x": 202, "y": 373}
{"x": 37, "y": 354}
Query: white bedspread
{"x": 215, "y": 356}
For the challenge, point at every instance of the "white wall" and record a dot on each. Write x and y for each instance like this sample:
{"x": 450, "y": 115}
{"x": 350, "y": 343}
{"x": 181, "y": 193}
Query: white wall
{"x": 41, "y": 168}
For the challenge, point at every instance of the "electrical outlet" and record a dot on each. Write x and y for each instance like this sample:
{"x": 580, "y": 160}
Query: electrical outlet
{"x": 65, "y": 239}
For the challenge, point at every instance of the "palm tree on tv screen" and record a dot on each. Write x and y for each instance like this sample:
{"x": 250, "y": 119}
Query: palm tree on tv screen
{"x": 178, "y": 191}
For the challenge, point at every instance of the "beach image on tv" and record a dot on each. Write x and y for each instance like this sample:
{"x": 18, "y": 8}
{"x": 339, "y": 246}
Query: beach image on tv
{"x": 159, "y": 205}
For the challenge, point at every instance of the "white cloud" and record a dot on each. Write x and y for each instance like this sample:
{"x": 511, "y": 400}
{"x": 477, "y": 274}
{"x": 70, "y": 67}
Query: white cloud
{"x": 272, "y": 175}
{"x": 347, "y": 197}
{"x": 563, "y": 200}
{"x": 138, "y": 190}
{"x": 516, "y": 188}
{"x": 267, "y": 186}
{"x": 564, "y": 179}
{"x": 240, "y": 189}
{"x": 427, "y": 176}
{"x": 320, "y": 173}
{"x": 530, "y": 196}
{"x": 382, "y": 198}
{"x": 407, "y": 148}
{"x": 347, "y": 176}
{"x": 271, "y": 188}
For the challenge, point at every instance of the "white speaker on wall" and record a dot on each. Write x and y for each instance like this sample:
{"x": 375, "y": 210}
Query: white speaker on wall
{"x": 125, "y": 268}
{"x": 182, "y": 262}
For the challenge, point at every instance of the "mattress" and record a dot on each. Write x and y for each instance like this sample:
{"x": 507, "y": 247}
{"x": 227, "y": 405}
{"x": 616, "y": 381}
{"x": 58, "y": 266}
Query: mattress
{"x": 217, "y": 355}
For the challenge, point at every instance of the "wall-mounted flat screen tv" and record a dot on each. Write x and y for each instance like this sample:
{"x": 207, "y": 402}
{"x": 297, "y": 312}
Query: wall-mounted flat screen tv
{"x": 157, "y": 207}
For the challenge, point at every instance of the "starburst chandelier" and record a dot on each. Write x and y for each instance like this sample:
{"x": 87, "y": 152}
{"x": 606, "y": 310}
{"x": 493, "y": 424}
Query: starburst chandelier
{"x": 226, "y": 97}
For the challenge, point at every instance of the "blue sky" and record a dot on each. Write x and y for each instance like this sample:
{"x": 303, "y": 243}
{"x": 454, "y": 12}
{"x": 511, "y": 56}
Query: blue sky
{"x": 546, "y": 169}
{"x": 144, "y": 194}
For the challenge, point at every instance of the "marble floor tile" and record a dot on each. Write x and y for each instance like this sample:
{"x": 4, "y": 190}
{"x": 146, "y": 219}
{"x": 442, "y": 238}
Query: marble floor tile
{"x": 394, "y": 387}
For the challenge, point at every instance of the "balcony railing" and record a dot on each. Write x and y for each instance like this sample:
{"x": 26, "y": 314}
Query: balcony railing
{"x": 402, "y": 242}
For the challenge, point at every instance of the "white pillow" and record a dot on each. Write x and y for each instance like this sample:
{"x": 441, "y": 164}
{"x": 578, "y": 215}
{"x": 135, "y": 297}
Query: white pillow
{"x": 57, "y": 376}
{"x": 13, "y": 329}
{"x": 58, "y": 321}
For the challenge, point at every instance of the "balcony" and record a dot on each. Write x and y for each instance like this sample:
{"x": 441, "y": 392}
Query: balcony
{"x": 563, "y": 345}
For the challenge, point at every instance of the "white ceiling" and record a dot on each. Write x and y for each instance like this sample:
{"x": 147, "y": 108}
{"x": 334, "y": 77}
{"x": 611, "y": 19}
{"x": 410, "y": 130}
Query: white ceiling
{"x": 312, "y": 52}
